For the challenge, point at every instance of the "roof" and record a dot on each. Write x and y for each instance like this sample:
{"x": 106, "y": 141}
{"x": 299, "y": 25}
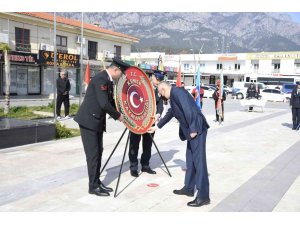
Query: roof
{"x": 76, "y": 23}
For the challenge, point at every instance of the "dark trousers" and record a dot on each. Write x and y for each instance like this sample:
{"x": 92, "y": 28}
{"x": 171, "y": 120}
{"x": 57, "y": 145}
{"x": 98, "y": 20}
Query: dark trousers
{"x": 134, "y": 149}
{"x": 93, "y": 148}
{"x": 217, "y": 115}
{"x": 296, "y": 117}
{"x": 62, "y": 99}
{"x": 196, "y": 174}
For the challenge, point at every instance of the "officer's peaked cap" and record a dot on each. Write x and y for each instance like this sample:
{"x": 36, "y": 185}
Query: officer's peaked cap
{"x": 120, "y": 64}
{"x": 160, "y": 75}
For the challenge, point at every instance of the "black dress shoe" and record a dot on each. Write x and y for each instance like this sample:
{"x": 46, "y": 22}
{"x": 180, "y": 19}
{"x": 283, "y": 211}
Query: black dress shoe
{"x": 98, "y": 191}
{"x": 108, "y": 189}
{"x": 183, "y": 191}
{"x": 199, "y": 202}
{"x": 148, "y": 170}
{"x": 134, "y": 173}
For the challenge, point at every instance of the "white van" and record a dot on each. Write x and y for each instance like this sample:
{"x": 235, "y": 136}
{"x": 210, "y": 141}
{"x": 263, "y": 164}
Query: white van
{"x": 239, "y": 89}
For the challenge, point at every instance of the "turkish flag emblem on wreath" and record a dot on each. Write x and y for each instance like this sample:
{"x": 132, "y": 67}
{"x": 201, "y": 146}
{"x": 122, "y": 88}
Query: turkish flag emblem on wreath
{"x": 135, "y": 99}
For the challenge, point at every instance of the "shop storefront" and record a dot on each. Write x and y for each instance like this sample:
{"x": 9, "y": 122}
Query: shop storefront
{"x": 64, "y": 60}
{"x": 25, "y": 74}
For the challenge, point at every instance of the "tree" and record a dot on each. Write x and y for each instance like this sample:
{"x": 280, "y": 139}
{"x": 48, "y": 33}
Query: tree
{"x": 5, "y": 48}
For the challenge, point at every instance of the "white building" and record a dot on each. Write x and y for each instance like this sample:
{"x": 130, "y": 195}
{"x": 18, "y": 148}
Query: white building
{"x": 234, "y": 66}
{"x": 30, "y": 36}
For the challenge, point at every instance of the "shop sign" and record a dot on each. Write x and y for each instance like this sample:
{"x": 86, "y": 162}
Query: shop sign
{"x": 20, "y": 57}
{"x": 63, "y": 59}
{"x": 273, "y": 55}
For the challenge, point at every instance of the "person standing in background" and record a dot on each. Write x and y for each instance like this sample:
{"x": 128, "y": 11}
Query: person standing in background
{"x": 295, "y": 105}
{"x": 63, "y": 88}
{"x": 216, "y": 96}
{"x": 135, "y": 139}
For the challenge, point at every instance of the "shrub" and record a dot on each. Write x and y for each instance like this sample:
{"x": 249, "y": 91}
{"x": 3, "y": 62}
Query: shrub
{"x": 62, "y": 131}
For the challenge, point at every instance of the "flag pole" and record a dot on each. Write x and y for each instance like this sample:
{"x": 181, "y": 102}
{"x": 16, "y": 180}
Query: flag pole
{"x": 81, "y": 61}
{"x": 54, "y": 68}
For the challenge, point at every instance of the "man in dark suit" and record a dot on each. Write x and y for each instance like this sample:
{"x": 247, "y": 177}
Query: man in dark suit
{"x": 295, "y": 105}
{"x": 91, "y": 118}
{"x": 63, "y": 87}
{"x": 193, "y": 128}
{"x": 135, "y": 139}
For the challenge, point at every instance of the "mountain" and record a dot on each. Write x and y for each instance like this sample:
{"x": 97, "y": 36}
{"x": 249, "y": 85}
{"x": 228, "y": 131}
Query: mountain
{"x": 187, "y": 32}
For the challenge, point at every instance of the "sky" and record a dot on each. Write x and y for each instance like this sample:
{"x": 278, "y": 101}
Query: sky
{"x": 295, "y": 16}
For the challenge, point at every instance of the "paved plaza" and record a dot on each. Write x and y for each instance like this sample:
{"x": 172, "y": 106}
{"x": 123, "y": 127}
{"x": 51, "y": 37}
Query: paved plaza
{"x": 253, "y": 162}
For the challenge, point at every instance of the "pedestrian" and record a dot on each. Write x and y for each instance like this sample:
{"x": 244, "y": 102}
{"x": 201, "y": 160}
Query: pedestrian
{"x": 91, "y": 118}
{"x": 63, "y": 87}
{"x": 295, "y": 105}
{"x": 193, "y": 128}
{"x": 252, "y": 92}
{"x": 195, "y": 95}
{"x": 216, "y": 97}
{"x": 135, "y": 139}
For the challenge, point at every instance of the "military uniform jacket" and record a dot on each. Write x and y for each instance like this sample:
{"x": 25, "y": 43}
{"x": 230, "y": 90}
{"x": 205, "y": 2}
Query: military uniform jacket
{"x": 185, "y": 110}
{"x": 97, "y": 102}
{"x": 295, "y": 98}
{"x": 159, "y": 103}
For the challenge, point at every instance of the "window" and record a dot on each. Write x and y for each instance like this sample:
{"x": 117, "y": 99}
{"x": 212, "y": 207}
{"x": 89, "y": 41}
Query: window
{"x": 297, "y": 66}
{"x": 22, "y": 39}
{"x": 61, "y": 41}
{"x": 92, "y": 50}
{"x": 117, "y": 52}
{"x": 219, "y": 66}
{"x": 237, "y": 66}
{"x": 276, "y": 66}
{"x": 186, "y": 66}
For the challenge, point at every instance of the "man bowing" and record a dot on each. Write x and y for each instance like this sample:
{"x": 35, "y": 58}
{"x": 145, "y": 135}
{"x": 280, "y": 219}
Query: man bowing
{"x": 193, "y": 128}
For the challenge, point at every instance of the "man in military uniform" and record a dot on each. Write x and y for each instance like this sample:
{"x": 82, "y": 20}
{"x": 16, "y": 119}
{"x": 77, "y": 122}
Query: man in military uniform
{"x": 295, "y": 105}
{"x": 91, "y": 118}
{"x": 135, "y": 139}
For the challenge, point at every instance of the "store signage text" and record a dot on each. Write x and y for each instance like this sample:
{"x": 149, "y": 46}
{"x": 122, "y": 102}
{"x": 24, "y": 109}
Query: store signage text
{"x": 63, "y": 59}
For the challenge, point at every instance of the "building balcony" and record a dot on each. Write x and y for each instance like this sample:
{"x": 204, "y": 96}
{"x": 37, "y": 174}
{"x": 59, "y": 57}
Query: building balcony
{"x": 23, "y": 47}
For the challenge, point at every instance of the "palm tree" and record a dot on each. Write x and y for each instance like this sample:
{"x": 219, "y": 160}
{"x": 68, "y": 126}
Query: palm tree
{"x": 5, "y": 48}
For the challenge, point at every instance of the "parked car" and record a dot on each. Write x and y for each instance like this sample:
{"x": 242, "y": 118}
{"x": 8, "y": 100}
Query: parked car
{"x": 208, "y": 91}
{"x": 273, "y": 95}
{"x": 239, "y": 89}
{"x": 287, "y": 89}
{"x": 226, "y": 88}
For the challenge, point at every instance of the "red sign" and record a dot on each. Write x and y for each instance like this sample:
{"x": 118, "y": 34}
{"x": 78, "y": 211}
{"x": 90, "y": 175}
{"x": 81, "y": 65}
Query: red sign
{"x": 135, "y": 99}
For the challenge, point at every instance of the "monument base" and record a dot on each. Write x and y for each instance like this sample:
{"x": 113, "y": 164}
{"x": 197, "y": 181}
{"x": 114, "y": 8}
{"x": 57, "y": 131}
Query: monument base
{"x": 16, "y": 132}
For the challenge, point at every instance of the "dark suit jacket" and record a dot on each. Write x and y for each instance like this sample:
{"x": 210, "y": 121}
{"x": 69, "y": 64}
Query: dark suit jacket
{"x": 62, "y": 86}
{"x": 295, "y": 98}
{"x": 159, "y": 103}
{"x": 185, "y": 110}
{"x": 97, "y": 102}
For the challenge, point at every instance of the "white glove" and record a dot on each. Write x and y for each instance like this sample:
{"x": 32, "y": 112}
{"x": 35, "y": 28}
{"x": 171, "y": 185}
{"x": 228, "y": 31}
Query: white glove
{"x": 152, "y": 129}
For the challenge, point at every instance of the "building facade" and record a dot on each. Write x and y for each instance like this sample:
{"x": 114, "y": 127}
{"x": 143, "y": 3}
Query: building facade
{"x": 233, "y": 66}
{"x": 30, "y": 37}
